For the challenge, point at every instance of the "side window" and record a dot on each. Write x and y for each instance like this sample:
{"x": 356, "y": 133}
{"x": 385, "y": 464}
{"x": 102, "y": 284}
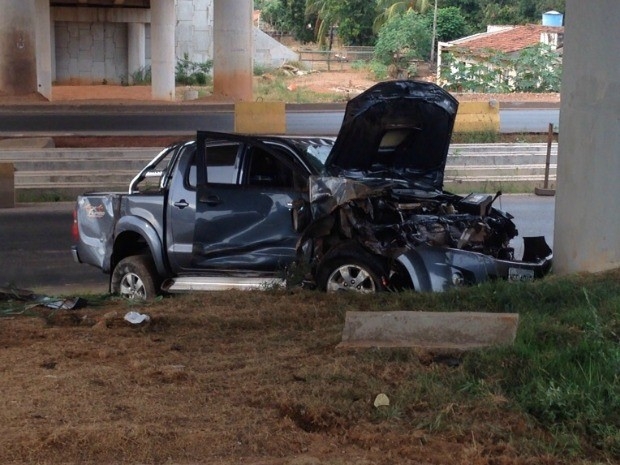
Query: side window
{"x": 222, "y": 163}
{"x": 191, "y": 178}
{"x": 265, "y": 169}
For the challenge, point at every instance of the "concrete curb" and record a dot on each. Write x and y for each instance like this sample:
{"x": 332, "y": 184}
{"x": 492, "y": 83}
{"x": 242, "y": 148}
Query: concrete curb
{"x": 444, "y": 331}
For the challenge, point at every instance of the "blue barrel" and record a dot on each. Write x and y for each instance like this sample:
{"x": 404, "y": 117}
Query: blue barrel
{"x": 552, "y": 18}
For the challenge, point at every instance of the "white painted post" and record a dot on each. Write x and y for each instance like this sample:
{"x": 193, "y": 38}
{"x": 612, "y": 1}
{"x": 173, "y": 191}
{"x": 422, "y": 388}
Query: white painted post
{"x": 136, "y": 49}
{"x": 18, "y": 63}
{"x": 44, "y": 47}
{"x": 163, "y": 20}
{"x": 587, "y": 223}
{"x": 233, "y": 49}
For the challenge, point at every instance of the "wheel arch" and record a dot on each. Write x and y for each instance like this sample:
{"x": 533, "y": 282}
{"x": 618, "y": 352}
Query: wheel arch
{"x": 135, "y": 236}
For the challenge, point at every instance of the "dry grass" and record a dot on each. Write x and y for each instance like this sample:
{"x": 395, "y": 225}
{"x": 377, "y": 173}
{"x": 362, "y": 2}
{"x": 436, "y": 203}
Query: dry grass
{"x": 230, "y": 378}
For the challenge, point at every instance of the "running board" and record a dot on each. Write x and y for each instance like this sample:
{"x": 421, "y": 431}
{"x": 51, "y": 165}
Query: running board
{"x": 220, "y": 283}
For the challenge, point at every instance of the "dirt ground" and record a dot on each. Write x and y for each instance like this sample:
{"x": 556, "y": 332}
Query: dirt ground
{"x": 348, "y": 82}
{"x": 236, "y": 378}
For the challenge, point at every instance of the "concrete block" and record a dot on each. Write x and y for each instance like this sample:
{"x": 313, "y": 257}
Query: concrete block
{"x": 7, "y": 185}
{"x": 201, "y": 21}
{"x": 477, "y": 117}
{"x": 458, "y": 331}
{"x": 202, "y": 42}
{"x": 260, "y": 117}
{"x": 185, "y": 11}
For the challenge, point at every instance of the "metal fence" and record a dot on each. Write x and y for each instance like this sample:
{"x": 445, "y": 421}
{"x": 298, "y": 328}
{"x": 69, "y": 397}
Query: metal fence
{"x": 335, "y": 60}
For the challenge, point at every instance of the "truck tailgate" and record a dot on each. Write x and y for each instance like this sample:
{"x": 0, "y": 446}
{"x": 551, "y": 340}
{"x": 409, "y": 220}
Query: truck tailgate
{"x": 96, "y": 216}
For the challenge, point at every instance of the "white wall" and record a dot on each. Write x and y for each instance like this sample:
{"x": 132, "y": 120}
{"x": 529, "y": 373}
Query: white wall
{"x": 91, "y": 43}
{"x": 90, "y": 53}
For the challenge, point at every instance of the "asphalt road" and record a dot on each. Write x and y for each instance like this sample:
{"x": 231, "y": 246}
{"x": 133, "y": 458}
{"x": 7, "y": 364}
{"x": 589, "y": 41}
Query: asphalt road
{"x": 300, "y": 119}
{"x": 35, "y": 243}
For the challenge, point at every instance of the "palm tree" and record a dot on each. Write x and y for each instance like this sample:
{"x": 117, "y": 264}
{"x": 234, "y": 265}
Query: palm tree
{"x": 389, "y": 8}
{"x": 323, "y": 21}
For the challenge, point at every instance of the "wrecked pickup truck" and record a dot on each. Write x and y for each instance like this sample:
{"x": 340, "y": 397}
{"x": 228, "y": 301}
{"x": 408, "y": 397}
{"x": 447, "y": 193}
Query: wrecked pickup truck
{"x": 363, "y": 212}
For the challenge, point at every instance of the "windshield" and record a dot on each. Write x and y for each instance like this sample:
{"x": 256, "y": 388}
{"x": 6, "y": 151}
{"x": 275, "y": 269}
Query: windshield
{"x": 316, "y": 151}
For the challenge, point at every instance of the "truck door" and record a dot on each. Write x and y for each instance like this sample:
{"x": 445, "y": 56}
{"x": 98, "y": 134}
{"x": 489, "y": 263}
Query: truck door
{"x": 181, "y": 210}
{"x": 243, "y": 207}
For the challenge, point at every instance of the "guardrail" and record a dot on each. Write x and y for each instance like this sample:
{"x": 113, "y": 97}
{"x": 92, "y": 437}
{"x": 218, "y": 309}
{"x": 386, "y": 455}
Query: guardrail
{"x": 65, "y": 172}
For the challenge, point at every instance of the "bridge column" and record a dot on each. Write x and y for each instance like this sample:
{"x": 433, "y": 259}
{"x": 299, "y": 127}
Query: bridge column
{"x": 18, "y": 63}
{"x": 136, "y": 44}
{"x": 44, "y": 48}
{"x": 587, "y": 221}
{"x": 163, "y": 22}
{"x": 232, "y": 48}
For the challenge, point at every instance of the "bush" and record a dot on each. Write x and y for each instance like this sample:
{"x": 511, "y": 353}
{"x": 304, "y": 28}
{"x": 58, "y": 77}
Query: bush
{"x": 403, "y": 38}
{"x": 535, "y": 69}
{"x": 192, "y": 73}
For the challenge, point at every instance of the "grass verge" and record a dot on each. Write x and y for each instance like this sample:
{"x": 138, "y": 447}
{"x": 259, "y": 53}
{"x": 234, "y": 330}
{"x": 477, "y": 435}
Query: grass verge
{"x": 254, "y": 377}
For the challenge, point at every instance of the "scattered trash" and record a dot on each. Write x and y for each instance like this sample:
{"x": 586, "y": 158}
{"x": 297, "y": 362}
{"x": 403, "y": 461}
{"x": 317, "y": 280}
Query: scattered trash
{"x": 34, "y": 300}
{"x": 381, "y": 400}
{"x": 136, "y": 318}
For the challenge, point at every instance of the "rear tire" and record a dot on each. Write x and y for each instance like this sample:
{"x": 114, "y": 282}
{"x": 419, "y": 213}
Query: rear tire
{"x": 351, "y": 269}
{"x": 135, "y": 278}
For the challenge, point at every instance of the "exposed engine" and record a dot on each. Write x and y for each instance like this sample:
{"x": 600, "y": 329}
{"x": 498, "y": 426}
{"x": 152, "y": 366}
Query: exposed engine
{"x": 403, "y": 218}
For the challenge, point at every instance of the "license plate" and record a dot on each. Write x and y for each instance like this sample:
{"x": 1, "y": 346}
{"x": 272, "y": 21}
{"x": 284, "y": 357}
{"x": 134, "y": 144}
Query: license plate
{"x": 519, "y": 275}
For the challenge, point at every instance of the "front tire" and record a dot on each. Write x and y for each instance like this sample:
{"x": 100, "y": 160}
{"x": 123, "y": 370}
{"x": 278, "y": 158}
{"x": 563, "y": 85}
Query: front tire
{"x": 135, "y": 278}
{"x": 351, "y": 270}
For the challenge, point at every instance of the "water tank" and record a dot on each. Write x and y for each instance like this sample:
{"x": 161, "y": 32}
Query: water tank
{"x": 552, "y": 18}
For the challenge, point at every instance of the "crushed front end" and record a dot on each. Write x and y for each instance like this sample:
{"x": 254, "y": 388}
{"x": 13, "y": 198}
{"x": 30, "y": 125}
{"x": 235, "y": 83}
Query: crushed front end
{"x": 429, "y": 240}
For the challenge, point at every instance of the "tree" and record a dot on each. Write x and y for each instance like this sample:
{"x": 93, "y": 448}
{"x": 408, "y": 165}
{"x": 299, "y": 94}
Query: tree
{"x": 390, "y": 8}
{"x": 480, "y": 13}
{"x": 352, "y": 18}
{"x": 355, "y": 19}
{"x": 402, "y": 38}
{"x": 288, "y": 16}
{"x": 451, "y": 24}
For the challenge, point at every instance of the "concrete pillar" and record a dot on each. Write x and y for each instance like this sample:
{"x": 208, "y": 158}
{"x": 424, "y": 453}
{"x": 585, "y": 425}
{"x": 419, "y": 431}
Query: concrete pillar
{"x": 587, "y": 223}
{"x": 44, "y": 47}
{"x": 136, "y": 49}
{"x": 18, "y": 63}
{"x": 232, "y": 48}
{"x": 163, "y": 20}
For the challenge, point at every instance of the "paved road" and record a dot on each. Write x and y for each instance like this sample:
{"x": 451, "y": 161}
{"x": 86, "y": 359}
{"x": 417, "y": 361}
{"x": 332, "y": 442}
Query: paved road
{"x": 35, "y": 243}
{"x": 300, "y": 119}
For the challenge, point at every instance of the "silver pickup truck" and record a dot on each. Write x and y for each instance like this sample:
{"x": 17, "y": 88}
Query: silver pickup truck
{"x": 363, "y": 212}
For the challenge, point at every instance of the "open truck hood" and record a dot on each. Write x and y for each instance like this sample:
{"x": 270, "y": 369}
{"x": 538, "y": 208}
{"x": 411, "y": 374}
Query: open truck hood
{"x": 396, "y": 130}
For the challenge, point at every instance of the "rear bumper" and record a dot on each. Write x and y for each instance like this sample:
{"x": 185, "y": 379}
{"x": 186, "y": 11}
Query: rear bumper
{"x": 75, "y": 254}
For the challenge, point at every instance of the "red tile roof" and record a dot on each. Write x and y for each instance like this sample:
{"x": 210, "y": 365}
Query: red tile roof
{"x": 507, "y": 40}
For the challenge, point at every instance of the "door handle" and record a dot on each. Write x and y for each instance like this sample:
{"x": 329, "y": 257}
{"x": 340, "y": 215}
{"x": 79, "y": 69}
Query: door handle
{"x": 181, "y": 204}
{"x": 211, "y": 200}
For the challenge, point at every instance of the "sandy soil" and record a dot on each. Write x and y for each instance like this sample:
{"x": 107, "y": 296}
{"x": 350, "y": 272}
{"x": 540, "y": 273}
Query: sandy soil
{"x": 346, "y": 82}
{"x": 234, "y": 378}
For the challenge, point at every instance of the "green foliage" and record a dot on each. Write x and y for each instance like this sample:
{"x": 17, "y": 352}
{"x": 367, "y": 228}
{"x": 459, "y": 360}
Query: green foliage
{"x": 391, "y": 8}
{"x": 354, "y": 18}
{"x": 350, "y": 19}
{"x": 192, "y": 73}
{"x": 451, "y": 24}
{"x": 480, "y": 13}
{"x": 403, "y": 38}
{"x": 538, "y": 69}
{"x": 378, "y": 70}
{"x": 534, "y": 69}
{"x": 564, "y": 366}
{"x": 288, "y": 16}
{"x": 140, "y": 77}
